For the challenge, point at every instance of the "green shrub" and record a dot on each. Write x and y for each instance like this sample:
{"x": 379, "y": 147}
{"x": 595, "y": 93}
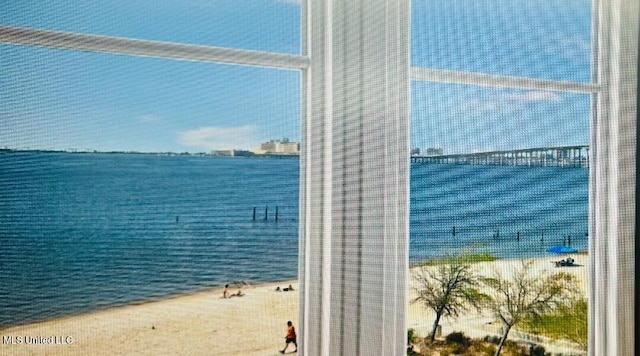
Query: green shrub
{"x": 569, "y": 322}
{"x": 481, "y": 348}
{"x": 412, "y": 336}
{"x": 464, "y": 258}
{"x": 459, "y": 338}
{"x": 537, "y": 350}
{"x": 492, "y": 339}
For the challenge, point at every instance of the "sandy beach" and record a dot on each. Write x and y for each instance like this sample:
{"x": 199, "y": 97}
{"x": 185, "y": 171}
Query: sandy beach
{"x": 206, "y": 324}
{"x": 199, "y": 324}
{"x": 478, "y": 325}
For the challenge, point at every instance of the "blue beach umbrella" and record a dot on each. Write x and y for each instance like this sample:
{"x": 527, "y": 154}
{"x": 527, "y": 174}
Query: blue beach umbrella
{"x": 561, "y": 249}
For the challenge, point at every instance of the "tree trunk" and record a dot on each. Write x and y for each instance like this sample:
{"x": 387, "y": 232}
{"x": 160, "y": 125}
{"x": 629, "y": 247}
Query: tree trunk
{"x": 504, "y": 338}
{"x": 435, "y": 325}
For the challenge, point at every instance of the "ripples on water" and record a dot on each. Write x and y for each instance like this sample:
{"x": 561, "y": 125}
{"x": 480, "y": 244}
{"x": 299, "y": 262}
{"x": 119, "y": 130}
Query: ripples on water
{"x": 86, "y": 231}
{"x": 489, "y": 205}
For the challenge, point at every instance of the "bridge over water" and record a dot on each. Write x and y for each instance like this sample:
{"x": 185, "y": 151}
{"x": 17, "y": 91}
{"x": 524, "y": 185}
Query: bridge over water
{"x": 566, "y": 156}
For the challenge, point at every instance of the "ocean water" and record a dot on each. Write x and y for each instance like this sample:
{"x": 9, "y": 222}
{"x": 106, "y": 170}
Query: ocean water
{"x": 508, "y": 211}
{"x": 81, "y": 232}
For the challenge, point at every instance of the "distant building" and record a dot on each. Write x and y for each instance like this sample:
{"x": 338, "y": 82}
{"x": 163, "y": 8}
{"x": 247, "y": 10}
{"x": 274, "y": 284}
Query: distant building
{"x": 231, "y": 153}
{"x": 283, "y": 146}
{"x": 434, "y": 152}
{"x": 415, "y": 152}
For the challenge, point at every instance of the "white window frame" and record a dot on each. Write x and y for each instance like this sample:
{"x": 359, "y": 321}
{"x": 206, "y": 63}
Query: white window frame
{"x": 330, "y": 315}
{"x": 354, "y": 191}
{"x": 612, "y": 196}
{"x": 355, "y": 179}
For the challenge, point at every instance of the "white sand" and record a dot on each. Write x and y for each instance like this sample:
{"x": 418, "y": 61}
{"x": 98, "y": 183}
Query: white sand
{"x": 206, "y": 324}
{"x": 200, "y": 324}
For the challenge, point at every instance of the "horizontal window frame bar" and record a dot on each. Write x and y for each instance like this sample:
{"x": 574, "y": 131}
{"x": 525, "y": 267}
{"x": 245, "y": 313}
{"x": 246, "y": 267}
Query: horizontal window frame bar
{"x": 499, "y": 81}
{"x": 148, "y": 48}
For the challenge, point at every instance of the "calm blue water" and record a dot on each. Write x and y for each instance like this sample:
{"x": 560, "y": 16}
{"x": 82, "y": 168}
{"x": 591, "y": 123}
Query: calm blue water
{"x": 81, "y": 232}
{"x": 85, "y": 231}
{"x": 489, "y": 205}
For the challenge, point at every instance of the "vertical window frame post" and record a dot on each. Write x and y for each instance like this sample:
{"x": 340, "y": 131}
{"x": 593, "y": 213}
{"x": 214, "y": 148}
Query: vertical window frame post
{"x": 356, "y": 174}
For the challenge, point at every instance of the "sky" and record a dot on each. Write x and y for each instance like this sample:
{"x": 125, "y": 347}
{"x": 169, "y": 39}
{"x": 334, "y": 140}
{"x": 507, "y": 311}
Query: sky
{"x": 56, "y": 99}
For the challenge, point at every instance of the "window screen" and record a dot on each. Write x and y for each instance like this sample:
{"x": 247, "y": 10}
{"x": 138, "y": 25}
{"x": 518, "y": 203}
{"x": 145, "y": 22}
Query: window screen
{"x": 148, "y": 203}
{"x": 499, "y": 195}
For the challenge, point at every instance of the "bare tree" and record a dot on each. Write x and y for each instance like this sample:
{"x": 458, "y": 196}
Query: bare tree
{"x": 447, "y": 289}
{"x": 527, "y": 294}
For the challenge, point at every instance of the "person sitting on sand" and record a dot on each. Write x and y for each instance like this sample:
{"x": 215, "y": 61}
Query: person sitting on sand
{"x": 288, "y": 289}
{"x": 278, "y": 289}
{"x": 239, "y": 294}
{"x": 290, "y": 338}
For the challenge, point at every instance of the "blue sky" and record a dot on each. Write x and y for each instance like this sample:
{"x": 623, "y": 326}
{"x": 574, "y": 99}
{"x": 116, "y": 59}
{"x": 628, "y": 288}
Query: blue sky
{"x": 54, "y": 99}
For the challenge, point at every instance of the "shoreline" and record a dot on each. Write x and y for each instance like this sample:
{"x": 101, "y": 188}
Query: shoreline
{"x": 203, "y": 323}
{"x": 193, "y": 324}
{"x": 97, "y": 309}
{"x": 433, "y": 261}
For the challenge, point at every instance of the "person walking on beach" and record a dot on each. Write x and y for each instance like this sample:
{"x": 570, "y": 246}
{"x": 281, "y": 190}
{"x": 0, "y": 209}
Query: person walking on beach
{"x": 290, "y": 338}
{"x": 225, "y": 292}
